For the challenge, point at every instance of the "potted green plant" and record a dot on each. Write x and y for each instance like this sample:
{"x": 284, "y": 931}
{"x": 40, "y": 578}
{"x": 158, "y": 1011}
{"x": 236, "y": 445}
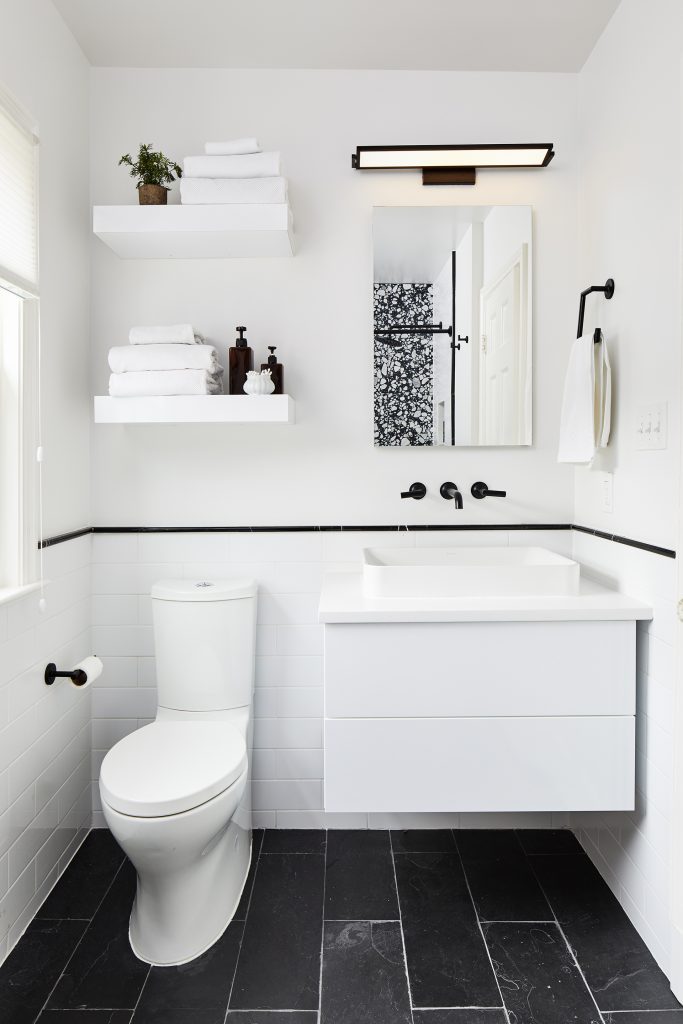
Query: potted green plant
{"x": 154, "y": 172}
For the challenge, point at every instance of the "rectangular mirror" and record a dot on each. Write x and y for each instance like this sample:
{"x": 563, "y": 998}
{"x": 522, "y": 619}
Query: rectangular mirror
{"x": 452, "y": 325}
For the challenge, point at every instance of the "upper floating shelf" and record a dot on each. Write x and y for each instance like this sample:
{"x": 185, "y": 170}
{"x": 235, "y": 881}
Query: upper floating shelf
{"x": 195, "y": 232}
{"x": 196, "y": 409}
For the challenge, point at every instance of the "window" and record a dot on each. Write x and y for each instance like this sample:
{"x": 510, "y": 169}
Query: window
{"x": 19, "y": 383}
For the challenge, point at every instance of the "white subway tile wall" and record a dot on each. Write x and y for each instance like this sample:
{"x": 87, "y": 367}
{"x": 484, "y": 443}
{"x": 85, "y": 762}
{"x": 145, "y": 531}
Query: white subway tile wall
{"x": 45, "y": 737}
{"x": 632, "y": 851}
{"x": 288, "y": 701}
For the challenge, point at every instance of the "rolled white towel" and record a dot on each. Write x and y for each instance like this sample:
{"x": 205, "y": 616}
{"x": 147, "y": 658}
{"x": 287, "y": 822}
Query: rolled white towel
{"x": 217, "y": 191}
{"x": 132, "y": 358}
{"x": 248, "y": 165}
{"x": 173, "y": 334}
{"x": 148, "y": 383}
{"x": 235, "y": 147}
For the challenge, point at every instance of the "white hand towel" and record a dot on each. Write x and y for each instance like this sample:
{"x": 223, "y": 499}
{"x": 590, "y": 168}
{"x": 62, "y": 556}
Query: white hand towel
{"x": 132, "y": 358}
{"x": 603, "y": 394}
{"x": 235, "y": 147}
{"x": 219, "y": 191}
{"x": 173, "y": 334}
{"x": 165, "y": 382}
{"x": 249, "y": 165}
{"x": 577, "y": 420}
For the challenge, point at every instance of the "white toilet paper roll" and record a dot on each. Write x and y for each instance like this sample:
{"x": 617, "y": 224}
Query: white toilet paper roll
{"x": 92, "y": 666}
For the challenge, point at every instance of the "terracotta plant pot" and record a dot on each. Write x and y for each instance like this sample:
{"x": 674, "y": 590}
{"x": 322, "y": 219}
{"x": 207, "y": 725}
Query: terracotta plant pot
{"x": 152, "y": 195}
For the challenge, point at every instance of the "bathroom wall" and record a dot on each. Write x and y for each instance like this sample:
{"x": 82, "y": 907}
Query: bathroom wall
{"x": 45, "y": 734}
{"x": 317, "y": 307}
{"x": 629, "y": 217}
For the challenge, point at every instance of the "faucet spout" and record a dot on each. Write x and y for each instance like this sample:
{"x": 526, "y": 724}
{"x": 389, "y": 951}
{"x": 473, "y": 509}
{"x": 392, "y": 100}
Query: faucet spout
{"x": 450, "y": 491}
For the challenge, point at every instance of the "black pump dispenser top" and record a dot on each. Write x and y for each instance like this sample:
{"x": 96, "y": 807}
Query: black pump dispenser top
{"x": 241, "y": 342}
{"x": 272, "y": 358}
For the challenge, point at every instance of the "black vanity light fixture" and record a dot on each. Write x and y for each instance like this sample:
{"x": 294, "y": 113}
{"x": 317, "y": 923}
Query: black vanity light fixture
{"x": 451, "y": 165}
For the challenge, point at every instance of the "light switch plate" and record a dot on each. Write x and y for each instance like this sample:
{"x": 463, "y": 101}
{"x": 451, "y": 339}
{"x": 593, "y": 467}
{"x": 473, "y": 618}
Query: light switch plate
{"x": 607, "y": 492}
{"x": 651, "y": 427}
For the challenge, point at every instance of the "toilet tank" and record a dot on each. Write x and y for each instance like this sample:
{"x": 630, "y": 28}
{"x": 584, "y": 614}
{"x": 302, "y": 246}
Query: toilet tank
{"x": 204, "y": 633}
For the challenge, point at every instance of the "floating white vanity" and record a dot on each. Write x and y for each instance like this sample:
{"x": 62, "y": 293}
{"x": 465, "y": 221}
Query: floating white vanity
{"x": 516, "y": 701}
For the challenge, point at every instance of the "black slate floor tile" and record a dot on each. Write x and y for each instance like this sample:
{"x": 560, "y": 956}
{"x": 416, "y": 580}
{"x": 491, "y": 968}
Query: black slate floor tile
{"x": 548, "y": 841}
{"x": 429, "y": 840}
{"x": 619, "y": 968}
{"x": 199, "y": 989}
{"x": 363, "y": 978}
{"x": 85, "y": 1017}
{"x": 104, "y": 973}
{"x": 359, "y": 881}
{"x": 279, "y": 965}
{"x": 294, "y": 840}
{"x": 644, "y": 1017}
{"x": 82, "y": 887}
{"x": 273, "y": 1017}
{"x": 537, "y": 975}
{"x": 469, "y": 1016}
{"x": 256, "y": 843}
{"x": 447, "y": 960}
{"x": 34, "y": 965}
{"x": 504, "y": 887}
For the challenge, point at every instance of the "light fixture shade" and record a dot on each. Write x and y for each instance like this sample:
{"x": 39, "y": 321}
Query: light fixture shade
{"x": 533, "y": 154}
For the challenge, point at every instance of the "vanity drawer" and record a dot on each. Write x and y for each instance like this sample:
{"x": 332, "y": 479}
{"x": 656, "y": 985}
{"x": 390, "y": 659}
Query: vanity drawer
{"x": 480, "y": 764}
{"x": 422, "y": 670}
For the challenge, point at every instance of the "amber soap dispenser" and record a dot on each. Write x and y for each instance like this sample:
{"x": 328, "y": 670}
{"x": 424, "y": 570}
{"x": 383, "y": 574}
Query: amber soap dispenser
{"x": 276, "y": 371}
{"x": 240, "y": 361}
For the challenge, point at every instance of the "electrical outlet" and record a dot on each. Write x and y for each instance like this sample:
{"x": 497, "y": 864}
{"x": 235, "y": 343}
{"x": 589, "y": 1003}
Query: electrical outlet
{"x": 651, "y": 427}
{"x": 607, "y": 492}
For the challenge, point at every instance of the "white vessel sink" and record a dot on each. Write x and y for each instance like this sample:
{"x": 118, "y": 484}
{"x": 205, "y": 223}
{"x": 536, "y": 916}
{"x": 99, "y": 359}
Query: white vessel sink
{"x": 442, "y": 573}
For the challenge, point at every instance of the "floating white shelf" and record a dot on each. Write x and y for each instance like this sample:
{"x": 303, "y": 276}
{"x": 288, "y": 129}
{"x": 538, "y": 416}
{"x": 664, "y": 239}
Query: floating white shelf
{"x": 195, "y": 232}
{"x": 196, "y": 409}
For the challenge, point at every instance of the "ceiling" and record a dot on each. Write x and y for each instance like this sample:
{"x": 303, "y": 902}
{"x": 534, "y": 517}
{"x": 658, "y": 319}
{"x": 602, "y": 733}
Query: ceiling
{"x": 459, "y": 35}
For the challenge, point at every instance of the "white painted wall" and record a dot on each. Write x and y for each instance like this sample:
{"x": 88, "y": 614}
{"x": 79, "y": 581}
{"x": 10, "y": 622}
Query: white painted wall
{"x": 45, "y": 734}
{"x": 629, "y": 217}
{"x": 317, "y": 307}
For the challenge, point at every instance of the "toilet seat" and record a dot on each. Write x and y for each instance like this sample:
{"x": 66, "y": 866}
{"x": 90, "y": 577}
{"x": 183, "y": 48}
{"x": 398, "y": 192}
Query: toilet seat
{"x": 169, "y": 767}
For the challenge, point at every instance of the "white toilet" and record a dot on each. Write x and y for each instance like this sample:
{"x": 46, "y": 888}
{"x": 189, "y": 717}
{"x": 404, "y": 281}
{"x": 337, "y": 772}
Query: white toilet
{"x": 176, "y": 793}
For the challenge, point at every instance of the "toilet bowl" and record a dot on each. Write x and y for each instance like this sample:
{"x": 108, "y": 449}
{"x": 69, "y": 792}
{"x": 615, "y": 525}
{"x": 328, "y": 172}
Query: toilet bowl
{"x": 176, "y": 793}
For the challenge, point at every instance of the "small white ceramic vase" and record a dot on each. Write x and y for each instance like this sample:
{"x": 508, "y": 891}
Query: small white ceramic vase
{"x": 259, "y": 383}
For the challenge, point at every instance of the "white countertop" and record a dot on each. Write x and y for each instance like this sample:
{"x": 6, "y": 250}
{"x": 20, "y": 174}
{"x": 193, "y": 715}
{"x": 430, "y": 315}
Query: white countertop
{"x": 342, "y": 600}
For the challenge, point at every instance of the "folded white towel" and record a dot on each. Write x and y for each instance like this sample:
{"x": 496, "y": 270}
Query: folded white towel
{"x": 249, "y": 165}
{"x": 232, "y": 190}
{"x": 235, "y": 147}
{"x": 173, "y": 334}
{"x": 165, "y": 382}
{"x": 586, "y": 404}
{"x": 133, "y": 358}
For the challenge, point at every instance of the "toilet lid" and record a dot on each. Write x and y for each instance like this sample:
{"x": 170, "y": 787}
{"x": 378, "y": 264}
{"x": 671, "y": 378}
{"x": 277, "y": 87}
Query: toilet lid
{"x": 169, "y": 767}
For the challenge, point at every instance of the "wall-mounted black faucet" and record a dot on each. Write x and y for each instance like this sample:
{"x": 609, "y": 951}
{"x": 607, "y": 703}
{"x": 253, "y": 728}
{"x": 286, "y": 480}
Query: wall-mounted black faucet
{"x": 416, "y": 491}
{"x": 480, "y": 490}
{"x": 450, "y": 491}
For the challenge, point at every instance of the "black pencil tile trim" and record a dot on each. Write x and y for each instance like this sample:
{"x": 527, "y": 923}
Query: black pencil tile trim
{"x": 31, "y": 970}
{"x": 359, "y": 879}
{"x": 279, "y": 964}
{"x": 368, "y": 528}
{"x": 363, "y": 975}
{"x": 537, "y": 975}
{"x": 620, "y": 970}
{"x": 448, "y": 964}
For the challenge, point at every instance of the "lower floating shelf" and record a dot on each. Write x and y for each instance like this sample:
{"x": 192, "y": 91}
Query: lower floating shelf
{"x": 196, "y": 409}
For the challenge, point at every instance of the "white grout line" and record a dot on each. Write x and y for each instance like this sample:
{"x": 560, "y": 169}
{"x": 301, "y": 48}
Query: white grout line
{"x": 400, "y": 926}
{"x": 481, "y": 930}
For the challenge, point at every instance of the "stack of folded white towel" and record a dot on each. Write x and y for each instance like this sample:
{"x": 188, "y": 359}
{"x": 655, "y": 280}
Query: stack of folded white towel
{"x": 165, "y": 361}
{"x": 232, "y": 172}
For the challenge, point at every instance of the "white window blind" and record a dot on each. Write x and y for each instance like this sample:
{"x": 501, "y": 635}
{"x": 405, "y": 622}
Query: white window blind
{"x": 18, "y": 202}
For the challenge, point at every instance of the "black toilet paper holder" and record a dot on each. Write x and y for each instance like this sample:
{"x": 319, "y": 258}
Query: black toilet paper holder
{"x": 77, "y": 675}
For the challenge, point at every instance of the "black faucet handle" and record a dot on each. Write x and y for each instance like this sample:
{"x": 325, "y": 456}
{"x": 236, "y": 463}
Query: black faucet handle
{"x": 480, "y": 490}
{"x": 416, "y": 490}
